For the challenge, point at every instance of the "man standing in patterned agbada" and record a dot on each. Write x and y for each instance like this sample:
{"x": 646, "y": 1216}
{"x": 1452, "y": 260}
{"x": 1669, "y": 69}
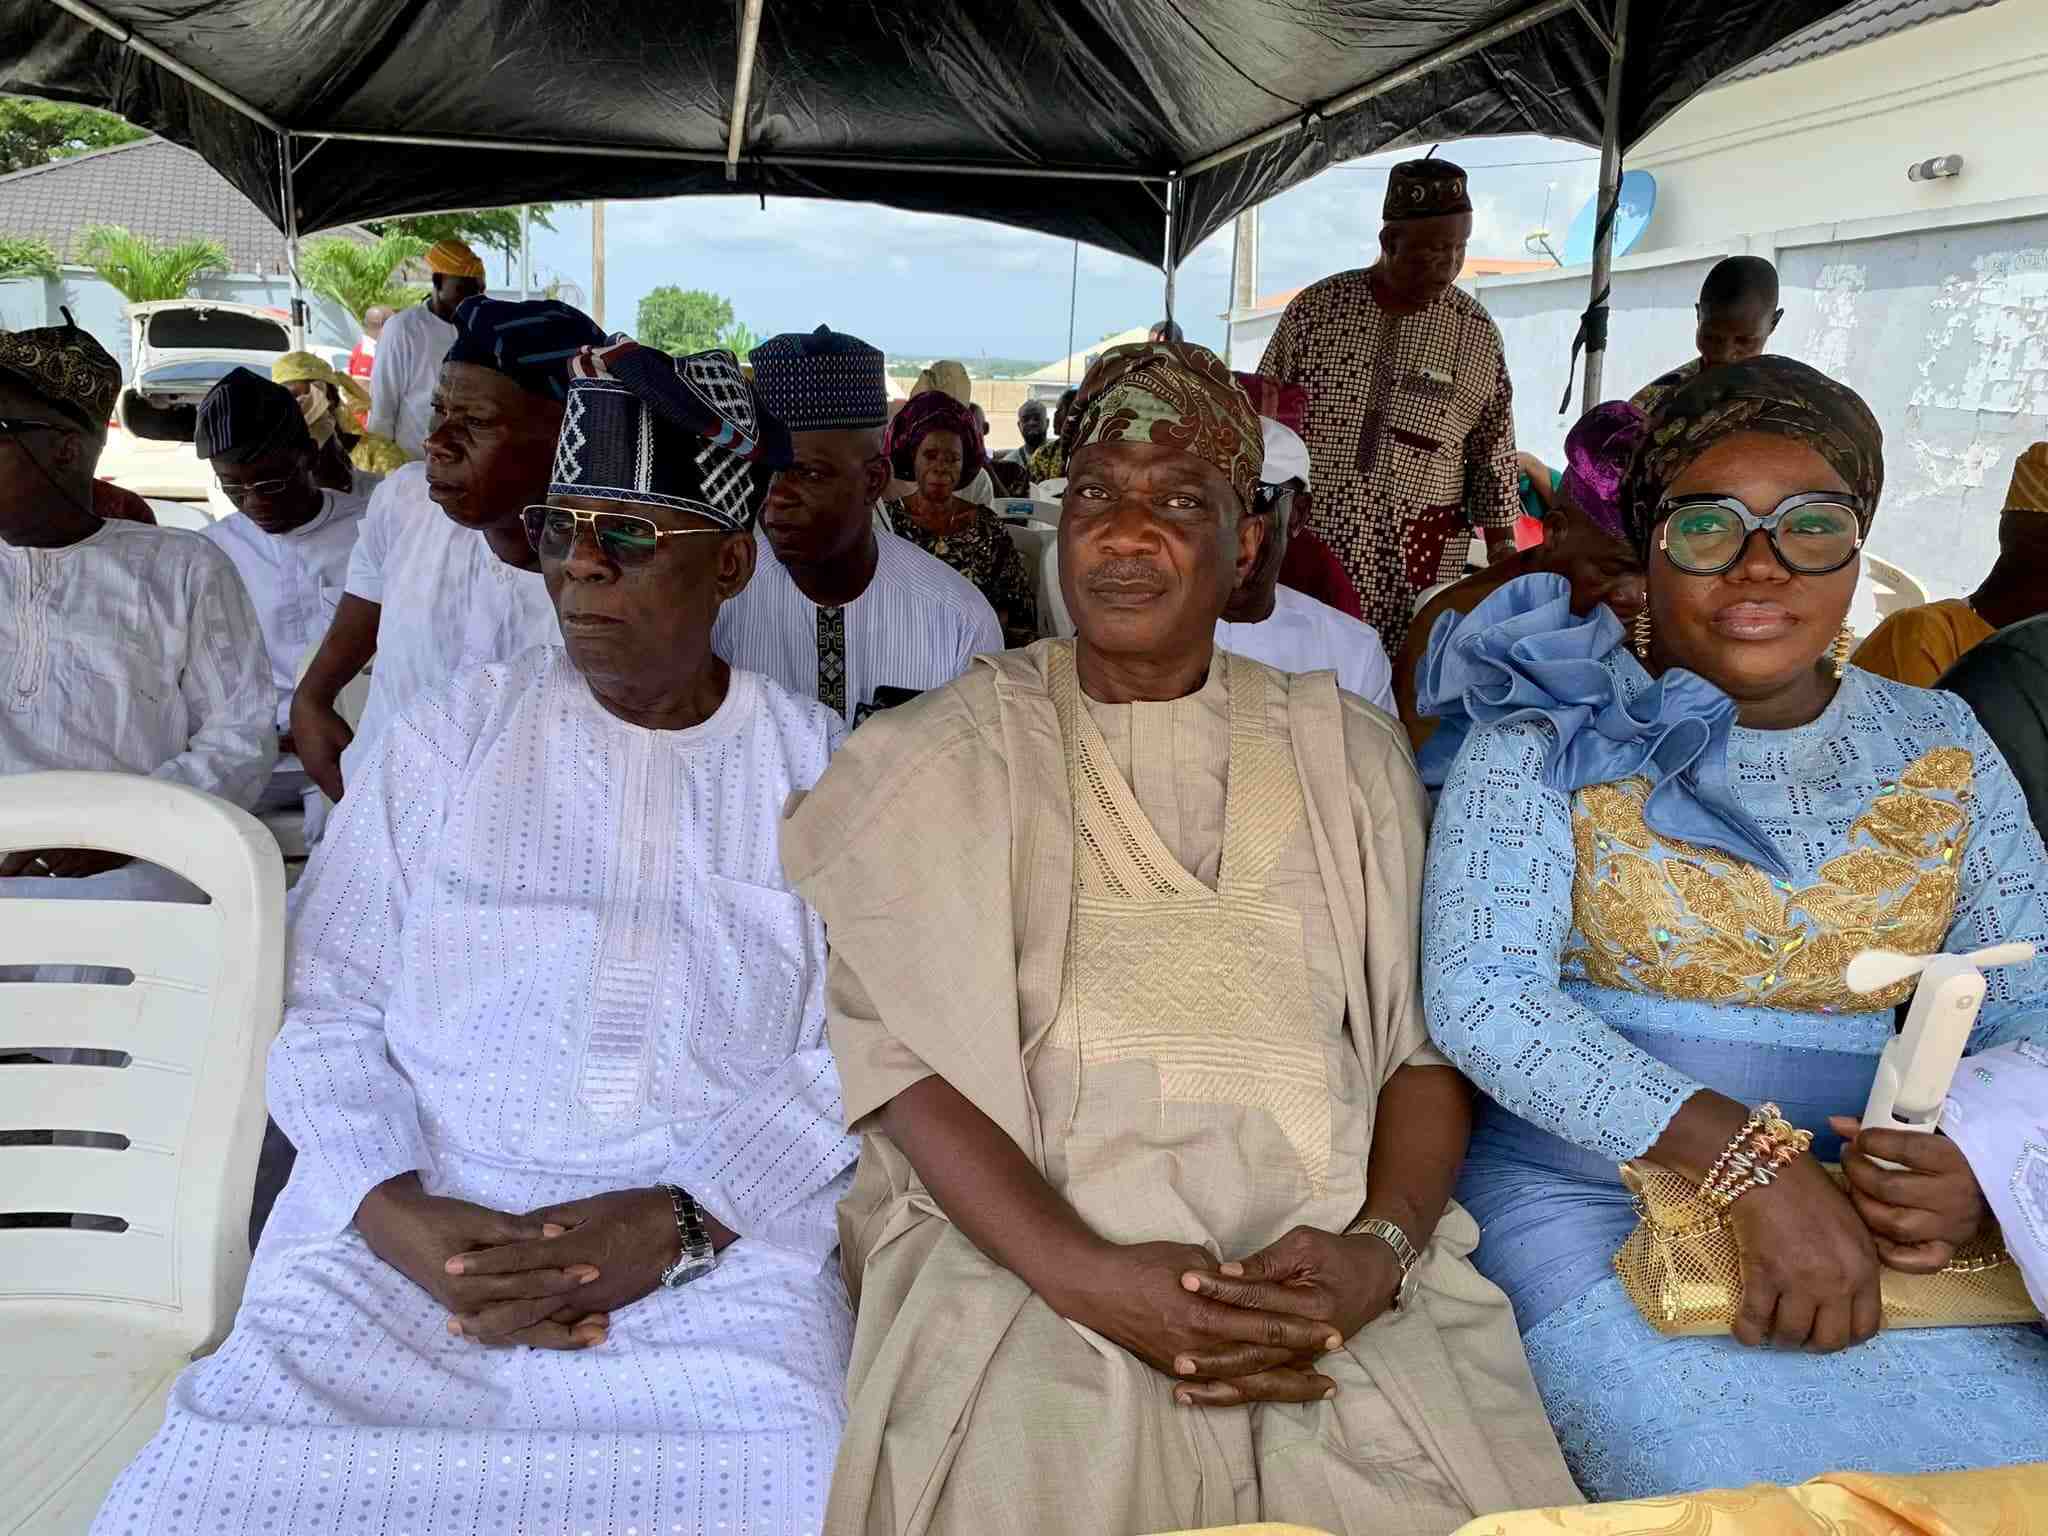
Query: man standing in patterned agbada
{"x": 1411, "y": 426}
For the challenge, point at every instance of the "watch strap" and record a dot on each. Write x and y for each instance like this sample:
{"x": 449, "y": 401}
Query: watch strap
{"x": 696, "y": 1257}
{"x": 1392, "y": 1236}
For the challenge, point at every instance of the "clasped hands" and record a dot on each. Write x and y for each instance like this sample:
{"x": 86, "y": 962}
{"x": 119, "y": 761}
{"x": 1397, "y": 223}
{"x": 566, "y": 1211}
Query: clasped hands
{"x": 549, "y": 1279}
{"x": 1240, "y": 1332}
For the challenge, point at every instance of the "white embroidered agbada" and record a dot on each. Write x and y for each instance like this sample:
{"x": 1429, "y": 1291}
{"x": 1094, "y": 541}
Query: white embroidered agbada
{"x": 1304, "y": 635}
{"x": 916, "y": 626}
{"x": 402, "y": 378}
{"x": 294, "y": 579}
{"x": 542, "y": 954}
{"x": 448, "y": 602}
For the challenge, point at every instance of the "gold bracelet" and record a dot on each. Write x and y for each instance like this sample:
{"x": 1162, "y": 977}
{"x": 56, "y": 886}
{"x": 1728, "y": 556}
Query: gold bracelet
{"x": 1754, "y": 1156}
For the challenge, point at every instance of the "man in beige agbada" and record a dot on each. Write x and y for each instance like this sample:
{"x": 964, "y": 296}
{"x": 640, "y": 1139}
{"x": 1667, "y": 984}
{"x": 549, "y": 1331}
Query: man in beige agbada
{"x": 1152, "y": 1226}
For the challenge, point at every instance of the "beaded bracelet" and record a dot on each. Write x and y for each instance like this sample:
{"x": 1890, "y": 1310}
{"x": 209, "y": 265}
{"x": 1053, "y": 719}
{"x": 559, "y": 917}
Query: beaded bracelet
{"x": 1753, "y": 1156}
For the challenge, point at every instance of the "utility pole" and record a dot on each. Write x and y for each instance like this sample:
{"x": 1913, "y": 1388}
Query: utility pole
{"x": 597, "y": 263}
{"x": 526, "y": 251}
{"x": 1073, "y": 302}
{"x": 1244, "y": 276}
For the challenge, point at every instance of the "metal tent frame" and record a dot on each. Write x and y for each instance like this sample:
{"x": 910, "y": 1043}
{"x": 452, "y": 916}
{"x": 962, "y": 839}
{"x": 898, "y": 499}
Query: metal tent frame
{"x": 1261, "y": 160}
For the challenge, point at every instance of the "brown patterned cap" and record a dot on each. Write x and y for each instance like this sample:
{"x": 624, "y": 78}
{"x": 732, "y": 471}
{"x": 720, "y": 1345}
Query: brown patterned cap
{"x": 66, "y": 367}
{"x": 2029, "y": 492}
{"x": 1175, "y": 394}
{"x": 1425, "y": 189}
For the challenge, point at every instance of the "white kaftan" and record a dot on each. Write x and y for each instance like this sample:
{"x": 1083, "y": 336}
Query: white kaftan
{"x": 917, "y": 626}
{"x": 1304, "y": 635}
{"x": 134, "y": 650}
{"x": 448, "y": 602}
{"x": 542, "y": 954}
{"x": 294, "y": 579}
{"x": 402, "y": 379}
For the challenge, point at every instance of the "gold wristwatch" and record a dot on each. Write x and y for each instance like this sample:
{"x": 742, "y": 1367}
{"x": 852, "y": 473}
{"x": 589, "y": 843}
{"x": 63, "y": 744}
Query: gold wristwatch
{"x": 1396, "y": 1239}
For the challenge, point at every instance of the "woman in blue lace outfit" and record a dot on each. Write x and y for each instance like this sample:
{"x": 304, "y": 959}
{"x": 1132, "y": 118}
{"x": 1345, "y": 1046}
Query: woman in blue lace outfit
{"x": 1645, "y": 881}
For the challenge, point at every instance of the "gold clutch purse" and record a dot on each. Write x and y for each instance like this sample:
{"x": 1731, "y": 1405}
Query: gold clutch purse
{"x": 1683, "y": 1270}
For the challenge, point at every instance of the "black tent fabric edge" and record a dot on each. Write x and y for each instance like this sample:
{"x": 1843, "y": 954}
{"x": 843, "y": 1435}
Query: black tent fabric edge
{"x": 1548, "y": 79}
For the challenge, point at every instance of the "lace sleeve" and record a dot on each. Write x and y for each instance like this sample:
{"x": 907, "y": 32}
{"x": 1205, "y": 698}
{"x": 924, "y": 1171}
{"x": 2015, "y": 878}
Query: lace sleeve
{"x": 1496, "y": 915}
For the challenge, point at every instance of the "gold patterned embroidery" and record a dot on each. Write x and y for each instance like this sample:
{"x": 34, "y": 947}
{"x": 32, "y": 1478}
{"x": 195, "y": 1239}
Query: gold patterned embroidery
{"x": 1693, "y": 923}
{"x": 1211, "y": 987}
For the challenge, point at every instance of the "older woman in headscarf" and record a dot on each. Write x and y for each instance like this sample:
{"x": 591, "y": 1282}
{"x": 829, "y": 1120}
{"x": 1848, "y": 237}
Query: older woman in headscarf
{"x": 1650, "y": 867}
{"x": 933, "y": 446}
{"x": 1152, "y": 1226}
{"x": 334, "y": 406}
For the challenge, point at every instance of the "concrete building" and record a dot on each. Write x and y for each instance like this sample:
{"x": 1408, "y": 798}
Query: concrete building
{"x": 168, "y": 194}
{"x": 1930, "y": 297}
{"x": 1054, "y": 379}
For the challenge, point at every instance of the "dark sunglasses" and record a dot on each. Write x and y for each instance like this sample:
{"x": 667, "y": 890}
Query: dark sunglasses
{"x": 626, "y": 539}
{"x": 1812, "y": 533}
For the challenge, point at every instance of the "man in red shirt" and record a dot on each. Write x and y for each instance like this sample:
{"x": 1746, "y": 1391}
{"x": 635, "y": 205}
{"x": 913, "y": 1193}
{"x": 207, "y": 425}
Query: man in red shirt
{"x": 364, "y": 357}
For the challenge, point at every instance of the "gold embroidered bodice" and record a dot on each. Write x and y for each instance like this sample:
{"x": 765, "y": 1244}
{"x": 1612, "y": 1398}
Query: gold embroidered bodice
{"x": 1661, "y": 916}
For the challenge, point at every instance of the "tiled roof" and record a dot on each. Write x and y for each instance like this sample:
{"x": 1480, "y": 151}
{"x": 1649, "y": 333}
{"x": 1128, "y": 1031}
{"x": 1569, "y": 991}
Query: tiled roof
{"x": 154, "y": 188}
{"x": 1864, "y": 22}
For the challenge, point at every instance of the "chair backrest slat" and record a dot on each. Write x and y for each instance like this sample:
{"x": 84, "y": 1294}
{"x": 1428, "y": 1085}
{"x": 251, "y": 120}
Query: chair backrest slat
{"x": 196, "y": 1023}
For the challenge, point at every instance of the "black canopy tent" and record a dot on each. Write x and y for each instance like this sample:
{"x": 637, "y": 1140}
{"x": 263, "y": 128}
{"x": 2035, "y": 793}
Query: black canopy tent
{"x": 1140, "y": 126}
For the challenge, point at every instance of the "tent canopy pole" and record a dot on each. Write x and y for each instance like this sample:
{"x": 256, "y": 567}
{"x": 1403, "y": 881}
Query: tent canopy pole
{"x": 1169, "y": 263}
{"x": 742, "y": 85}
{"x": 289, "y": 193}
{"x": 142, "y": 47}
{"x": 1602, "y": 280}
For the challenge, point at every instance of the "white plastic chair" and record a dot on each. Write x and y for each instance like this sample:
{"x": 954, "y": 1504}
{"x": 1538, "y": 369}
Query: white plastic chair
{"x": 94, "y": 1325}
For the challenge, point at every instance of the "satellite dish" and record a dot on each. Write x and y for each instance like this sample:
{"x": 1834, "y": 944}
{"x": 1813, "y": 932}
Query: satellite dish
{"x": 1638, "y": 202}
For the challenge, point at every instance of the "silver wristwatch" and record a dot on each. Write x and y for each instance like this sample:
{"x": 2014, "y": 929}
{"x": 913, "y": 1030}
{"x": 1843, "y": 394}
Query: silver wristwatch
{"x": 1397, "y": 1240}
{"x": 697, "y": 1258}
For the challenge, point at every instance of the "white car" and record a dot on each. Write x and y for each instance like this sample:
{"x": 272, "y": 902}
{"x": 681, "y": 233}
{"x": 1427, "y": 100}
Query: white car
{"x": 180, "y": 349}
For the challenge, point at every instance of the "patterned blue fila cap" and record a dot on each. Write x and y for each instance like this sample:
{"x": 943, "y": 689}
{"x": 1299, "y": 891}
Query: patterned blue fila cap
{"x": 826, "y": 381}
{"x": 532, "y": 343}
{"x": 648, "y": 429}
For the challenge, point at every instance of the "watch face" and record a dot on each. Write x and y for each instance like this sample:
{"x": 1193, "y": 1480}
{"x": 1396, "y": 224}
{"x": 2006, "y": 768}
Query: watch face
{"x": 691, "y": 1266}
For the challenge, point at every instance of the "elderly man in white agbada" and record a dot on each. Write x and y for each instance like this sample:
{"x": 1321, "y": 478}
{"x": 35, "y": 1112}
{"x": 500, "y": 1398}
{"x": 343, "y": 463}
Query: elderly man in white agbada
{"x": 553, "y": 1057}
{"x": 123, "y": 648}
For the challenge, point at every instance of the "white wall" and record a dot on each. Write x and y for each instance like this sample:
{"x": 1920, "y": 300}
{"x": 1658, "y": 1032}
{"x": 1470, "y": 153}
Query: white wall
{"x": 1831, "y": 139}
{"x": 1942, "y": 329}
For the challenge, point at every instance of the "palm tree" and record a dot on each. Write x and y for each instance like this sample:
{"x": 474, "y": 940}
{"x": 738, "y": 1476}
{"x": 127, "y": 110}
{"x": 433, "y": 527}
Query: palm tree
{"x": 143, "y": 270}
{"x": 360, "y": 277}
{"x": 26, "y": 256}
{"x": 738, "y": 339}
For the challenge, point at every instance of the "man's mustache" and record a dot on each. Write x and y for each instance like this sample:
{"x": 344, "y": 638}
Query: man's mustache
{"x": 1126, "y": 573}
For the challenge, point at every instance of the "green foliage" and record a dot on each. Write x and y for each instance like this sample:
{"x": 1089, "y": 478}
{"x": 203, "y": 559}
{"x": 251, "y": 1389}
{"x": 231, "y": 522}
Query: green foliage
{"x": 144, "y": 271}
{"x": 485, "y": 229}
{"x": 26, "y": 256}
{"x": 36, "y": 132}
{"x": 738, "y": 339}
{"x": 682, "y": 320}
{"x": 360, "y": 277}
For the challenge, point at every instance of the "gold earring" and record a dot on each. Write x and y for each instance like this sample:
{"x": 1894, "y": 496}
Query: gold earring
{"x": 1641, "y": 638}
{"x": 1845, "y": 642}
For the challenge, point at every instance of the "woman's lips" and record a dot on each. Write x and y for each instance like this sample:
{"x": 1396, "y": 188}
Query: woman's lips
{"x": 1754, "y": 621}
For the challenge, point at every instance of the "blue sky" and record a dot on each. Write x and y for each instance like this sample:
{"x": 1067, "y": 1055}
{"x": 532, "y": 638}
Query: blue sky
{"x": 929, "y": 285}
